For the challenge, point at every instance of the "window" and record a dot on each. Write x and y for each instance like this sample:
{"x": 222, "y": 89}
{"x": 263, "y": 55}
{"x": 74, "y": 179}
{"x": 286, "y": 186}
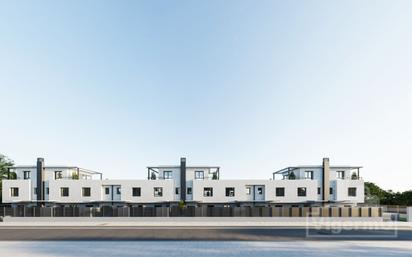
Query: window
{"x": 352, "y": 191}
{"x": 340, "y": 174}
{"x": 280, "y": 191}
{"x": 189, "y": 190}
{"x": 107, "y": 190}
{"x": 230, "y": 191}
{"x": 58, "y": 175}
{"x": 118, "y": 190}
{"x": 309, "y": 174}
{"x": 14, "y": 191}
{"x": 86, "y": 192}
{"x": 318, "y": 190}
{"x": 331, "y": 190}
{"x": 199, "y": 174}
{"x": 47, "y": 190}
{"x": 64, "y": 191}
{"x": 260, "y": 190}
{"x": 158, "y": 191}
{"x": 167, "y": 174}
{"x": 248, "y": 190}
{"x": 26, "y": 174}
{"x": 177, "y": 190}
{"x": 208, "y": 191}
{"x": 301, "y": 191}
{"x": 35, "y": 190}
{"x": 136, "y": 191}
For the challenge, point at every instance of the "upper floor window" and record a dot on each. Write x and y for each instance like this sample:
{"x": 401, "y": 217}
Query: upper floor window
{"x": 199, "y": 174}
{"x": 118, "y": 190}
{"x": 177, "y": 190}
{"x": 248, "y": 190}
{"x": 340, "y": 174}
{"x": 136, "y": 191}
{"x": 167, "y": 174}
{"x": 260, "y": 190}
{"x": 107, "y": 190}
{"x": 280, "y": 191}
{"x": 331, "y": 190}
{"x": 14, "y": 191}
{"x": 26, "y": 174}
{"x": 64, "y": 191}
{"x": 189, "y": 190}
{"x": 86, "y": 191}
{"x": 318, "y": 190}
{"x": 58, "y": 174}
{"x": 230, "y": 191}
{"x": 158, "y": 191}
{"x": 308, "y": 174}
{"x": 208, "y": 191}
{"x": 301, "y": 191}
{"x": 352, "y": 191}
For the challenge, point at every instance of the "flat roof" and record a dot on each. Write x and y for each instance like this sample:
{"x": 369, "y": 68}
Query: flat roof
{"x": 316, "y": 167}
{"x": 55, "y": 167}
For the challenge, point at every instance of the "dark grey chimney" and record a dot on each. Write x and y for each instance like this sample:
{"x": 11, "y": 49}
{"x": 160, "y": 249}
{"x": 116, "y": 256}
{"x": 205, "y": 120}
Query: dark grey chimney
{"x": 40, "y": 187}
{"x": 183, "y": 179}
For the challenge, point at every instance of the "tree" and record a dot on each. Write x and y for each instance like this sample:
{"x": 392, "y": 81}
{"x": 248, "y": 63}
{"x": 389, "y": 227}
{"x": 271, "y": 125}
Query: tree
{"x": 292, "y": 176}
{"x": 5, "y": 163}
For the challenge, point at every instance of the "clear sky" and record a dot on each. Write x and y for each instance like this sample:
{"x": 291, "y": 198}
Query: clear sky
{"x": 252, "y": 86}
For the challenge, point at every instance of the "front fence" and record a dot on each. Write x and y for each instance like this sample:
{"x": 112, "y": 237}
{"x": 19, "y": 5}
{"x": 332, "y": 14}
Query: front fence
{"x": 110, "y": 211}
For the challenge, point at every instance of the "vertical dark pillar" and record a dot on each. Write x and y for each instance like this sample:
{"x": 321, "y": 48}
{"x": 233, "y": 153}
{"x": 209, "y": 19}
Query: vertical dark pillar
{"x": 183, "y": 179}
{"x": 40, "y": 188}
{"x": 325, "y": 179}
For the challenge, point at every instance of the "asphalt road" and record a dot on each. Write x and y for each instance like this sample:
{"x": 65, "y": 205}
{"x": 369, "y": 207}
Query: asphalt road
{"x": 196, "y": 233}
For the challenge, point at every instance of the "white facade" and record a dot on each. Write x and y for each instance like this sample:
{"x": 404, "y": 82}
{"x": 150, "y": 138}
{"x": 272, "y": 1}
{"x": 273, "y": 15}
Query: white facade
{"x": 72, "y": 185}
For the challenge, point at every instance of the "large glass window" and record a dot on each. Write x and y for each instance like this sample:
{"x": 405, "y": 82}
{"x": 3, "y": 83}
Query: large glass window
{"x": 280, "y": 191}
{"x": 64, "y": 191}
{"x": 158, "y": 191}
{"x": 14, "y": 191}
{"x": 199, "y": 174}
{"x": 301, "y": 191}
{"x": 352, "y": 191}
{"x": 208, "y": 191}
{"x": 309, "y": 174}
{"x": 136, "y": 191}
{"x": 230, "y": 191}
{"x": 86, "y": 191}
{"x": 167, "y": 174}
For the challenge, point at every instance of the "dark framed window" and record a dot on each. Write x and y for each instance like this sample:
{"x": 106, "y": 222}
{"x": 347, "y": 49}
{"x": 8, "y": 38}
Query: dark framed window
{"x": 189, "y": 190}
{"x": 167, "y": 174}
{"x": 301, "y": 191}
{"x": 86, "y": 191}
{"x": 158, "y": 191}
{"x": 177, "y": 190}
{"x": 280, "y": 191}
{"x": 47, "y": 190}
{"x": 318, "y": 190}
{"x": 64, "y": 191}
{"x": 331, "y": 190}
{"x": 352, "y": 191}
{"x": 35, "y": 190}
{"x": 118, "y": 190}
{"x": 208, "y": 191}
{"x": 309, "y": 174}
{"x": 340, "y": 174}
{"x": 136, "y": 191}
{"x": 199, "y": 174}
{"x": 58, "y": 174}
{"x": 230, "y": 191}
{"x": 26, "y": 174}
{"x": 107, "y": 190}
{"x": 260, "y": 190}
{"x": 14, "y": 191}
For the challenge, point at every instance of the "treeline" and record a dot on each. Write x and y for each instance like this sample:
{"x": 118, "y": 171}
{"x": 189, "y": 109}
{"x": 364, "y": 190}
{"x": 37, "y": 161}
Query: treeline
{"x": 376, "y": 195}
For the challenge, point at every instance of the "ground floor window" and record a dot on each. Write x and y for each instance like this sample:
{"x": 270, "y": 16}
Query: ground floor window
{"x": 352, "y": 191}
{"x": 208, "y": 191}
{"x": 158, "y": 191}
{"x": 301, "y": 191}
{"x": 14, "y": 191}
{"x": 230, "y": 191}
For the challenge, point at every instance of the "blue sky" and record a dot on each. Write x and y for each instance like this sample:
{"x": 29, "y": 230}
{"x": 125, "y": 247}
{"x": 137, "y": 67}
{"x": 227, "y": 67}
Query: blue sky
{"x": 252, "y": 86}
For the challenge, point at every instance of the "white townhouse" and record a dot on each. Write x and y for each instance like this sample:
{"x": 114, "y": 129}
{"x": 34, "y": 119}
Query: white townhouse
{"x": 195, "y": 185}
